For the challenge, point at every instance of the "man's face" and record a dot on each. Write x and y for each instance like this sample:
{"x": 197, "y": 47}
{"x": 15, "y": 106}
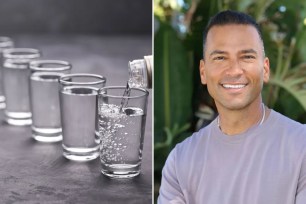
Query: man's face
{"x": 234, "y": 68}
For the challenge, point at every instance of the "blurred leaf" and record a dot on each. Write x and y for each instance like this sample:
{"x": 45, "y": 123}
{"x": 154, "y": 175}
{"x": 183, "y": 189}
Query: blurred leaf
{"x": 171, "y": 134}
{"x": 260, "y": 9}
{"x": 301, "y": 40}
{"x": 242, "y": 5}
{"x": 293, "y": 82}
{"x": 289, "y": 106}
{"x": 162, "y": 149}
{"x": 172, "y": 82}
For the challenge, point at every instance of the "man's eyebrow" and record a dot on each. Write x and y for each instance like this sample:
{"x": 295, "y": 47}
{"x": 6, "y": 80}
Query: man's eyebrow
{"x": 215, "y": 52}
{"x": 220, "y": 52}
{"x": 248, "y": 51}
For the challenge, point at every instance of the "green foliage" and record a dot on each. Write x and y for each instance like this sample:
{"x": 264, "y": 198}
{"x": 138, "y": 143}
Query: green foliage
{"x": 284, "y": 33}
{"x": 172, "y": 90}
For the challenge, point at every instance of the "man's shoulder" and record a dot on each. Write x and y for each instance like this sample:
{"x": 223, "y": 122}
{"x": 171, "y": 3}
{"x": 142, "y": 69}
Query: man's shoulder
{"x": 287, "y": 123}
{"x": 197, "y": 139}
{"x": 186, "y": 153}
{"x": 289, "y": 128}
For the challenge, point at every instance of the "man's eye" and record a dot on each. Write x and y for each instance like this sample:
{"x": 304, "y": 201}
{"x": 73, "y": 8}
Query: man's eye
{"x": 249, "y": 57}
{"x": 219, "y": 58}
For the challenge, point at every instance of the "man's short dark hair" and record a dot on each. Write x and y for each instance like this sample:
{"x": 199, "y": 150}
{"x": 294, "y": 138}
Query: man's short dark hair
{"x": 229, "y": 17}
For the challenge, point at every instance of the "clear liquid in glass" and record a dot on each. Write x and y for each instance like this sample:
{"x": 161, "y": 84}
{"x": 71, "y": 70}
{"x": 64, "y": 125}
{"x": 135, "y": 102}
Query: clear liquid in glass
{"x": 78, "y": 106}
{"x": 122, "y": 142}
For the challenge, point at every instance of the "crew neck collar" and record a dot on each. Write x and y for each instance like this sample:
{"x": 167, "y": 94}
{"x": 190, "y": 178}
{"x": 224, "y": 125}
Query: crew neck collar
{"x": 254, "y": 130}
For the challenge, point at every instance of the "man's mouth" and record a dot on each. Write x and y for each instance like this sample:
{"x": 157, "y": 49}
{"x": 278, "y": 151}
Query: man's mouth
{"x": 233, "y": 86}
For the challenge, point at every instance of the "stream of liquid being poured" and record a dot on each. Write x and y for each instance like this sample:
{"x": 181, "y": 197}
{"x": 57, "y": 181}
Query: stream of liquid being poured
{"x": 125, "y": 100}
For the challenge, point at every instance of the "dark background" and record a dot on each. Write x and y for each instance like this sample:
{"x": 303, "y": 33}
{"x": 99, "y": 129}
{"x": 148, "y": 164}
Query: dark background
{"x": 76, "y": 16}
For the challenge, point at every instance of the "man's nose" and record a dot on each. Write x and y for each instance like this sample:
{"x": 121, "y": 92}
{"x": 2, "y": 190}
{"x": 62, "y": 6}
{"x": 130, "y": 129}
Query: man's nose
{"x": 234, "y": 68}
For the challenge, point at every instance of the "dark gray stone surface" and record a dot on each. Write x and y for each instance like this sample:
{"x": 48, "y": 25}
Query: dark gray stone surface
{"x": 33, "y": 172}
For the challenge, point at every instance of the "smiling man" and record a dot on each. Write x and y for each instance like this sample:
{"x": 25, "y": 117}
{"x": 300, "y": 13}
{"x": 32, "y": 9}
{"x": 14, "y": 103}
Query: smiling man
{"x": 249, "y": 154}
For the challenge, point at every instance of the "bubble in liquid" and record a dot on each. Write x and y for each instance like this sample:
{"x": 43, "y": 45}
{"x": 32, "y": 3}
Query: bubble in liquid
{"x": 129, "y": 111}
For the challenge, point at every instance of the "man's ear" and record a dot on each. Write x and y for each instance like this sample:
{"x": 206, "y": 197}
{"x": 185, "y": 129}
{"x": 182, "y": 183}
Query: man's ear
{"x": 202, "y": 72}
{"x": 266, "y": 71}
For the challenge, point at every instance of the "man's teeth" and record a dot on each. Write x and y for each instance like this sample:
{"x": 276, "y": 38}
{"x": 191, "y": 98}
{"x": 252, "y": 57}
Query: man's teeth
{"x": 232, "y": 86}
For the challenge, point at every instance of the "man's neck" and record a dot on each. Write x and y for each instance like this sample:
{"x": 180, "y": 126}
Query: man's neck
{"x": 233, "y": 122}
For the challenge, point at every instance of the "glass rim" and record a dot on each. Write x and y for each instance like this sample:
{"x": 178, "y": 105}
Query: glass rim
{"x": 28, "y": 53}
{"x": 16, "y": 63}
{"x": 35, "y": 74}
{"x": 144, "y": 91}
{"x": 5, "y": 41}
{"x": 99, "y": 79}
{"x": 82, "y": 87}
{"x": 35, "y": 65}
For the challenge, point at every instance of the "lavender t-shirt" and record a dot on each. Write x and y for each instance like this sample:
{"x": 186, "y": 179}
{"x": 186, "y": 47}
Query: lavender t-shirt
{"x": 264, "y": 165}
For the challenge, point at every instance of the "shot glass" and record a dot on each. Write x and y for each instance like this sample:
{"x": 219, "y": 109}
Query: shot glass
{"x": 16, "y": 74}
{"x": 45, "y": 108}
{"x": 122, "y": 118}
{"x": 79, "y": 103}
{"x": 5, "y": 43}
